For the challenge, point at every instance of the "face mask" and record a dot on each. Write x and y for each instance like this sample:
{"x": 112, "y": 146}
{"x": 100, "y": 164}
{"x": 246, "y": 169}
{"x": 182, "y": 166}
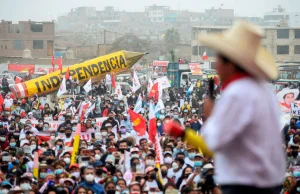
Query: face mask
{"x": 191, "y": 155}
{"x": 67, "y": 100}
{"x": 67, "y": 160}
{"x": 68, "y": 135}
{"x": 164, "y": 173}
{"x": 135, "y": 156}
{"x": 73, "y": 129}
{"x": 193, "y": 111}
{"x": 187, "y": 175}
{"x": 168, "y": 160}
{"x": 25, "y": 186}
{"x": 150, "y": 162}
{"x": 153, "y": 176}
{"x": 185, "y": 103}
{"x": 89, "y": 178}
{"x": 75, "y": 174}
{"x": 12, "y": 144}
{"x": 104, "y": 134}
{"x": 111, "y": 192}
{"x": 52, "y": 137}
{"x": 93, "y": 122}
{"x": 158, "y": 124}
{"x": 86, "y": 100}
{"x": 46, "y": 128}
{"x": 43, "y": 149}
{"x": 121, "y": 104}
{"x": 123, "y": 130}
{"x": 110, "y": 118}
{"x": 4, "y": 191}
{"x": 162, "y": 111}
{"x": 42, "y": 175}
{"x": 175, "y": 116}
{"x": 97, "y": 157}
{"x": 33, "y": 147}
{"x": 198, "y": 163}
{"x": 99, "y": 172}
{"x": 59, "y": 171}
{"x": 33, "y": 111}
{"x": 18, "y": 108}
{"x": 175, "y": 166}
{"x": 40, "y": 123}
{"x": 82, "y": 164}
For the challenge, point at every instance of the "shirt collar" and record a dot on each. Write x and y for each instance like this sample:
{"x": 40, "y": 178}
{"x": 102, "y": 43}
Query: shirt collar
{"x": 234, "y": 77}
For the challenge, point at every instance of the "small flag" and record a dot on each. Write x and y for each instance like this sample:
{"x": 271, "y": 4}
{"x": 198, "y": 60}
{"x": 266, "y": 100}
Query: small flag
{"x": 204, "y": 56}
{"x": 150, "y": 84}
{"x": 159, "y": 106}
{"x": 191, "y": 88}
{"x": 53, "y": 61}
{"x": 135, "y": 82}
{"x": 88, "y": 86}
{"x": 89, "y": 110}
{"x": 152, "y": 123}
{"x": 154, "y": 93}
{"x": 138, "y": 122}
{"x": 67, "y": 76}
{"x": 62, "y": 88}
{"x": 119, "y": 92}
{"x": 113, "y": 80}
{"x": 138, "y": 105}
{"x": 59, "y": 63}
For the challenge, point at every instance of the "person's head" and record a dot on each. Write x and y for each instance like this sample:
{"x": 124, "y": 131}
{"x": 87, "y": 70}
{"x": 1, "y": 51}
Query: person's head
{"x": 170, "y": 188}
{"x": 58, "y": 168}
{"x": 81, "y": 190}
{"x": 68, "y": 132}
{"x": 110, "y": 187}
{"x": 89, "y": 174}
{"x": 135, "y": 188}
{"x": 191, "y": 153}
{"x": 67, "y": 158}
{"x": 83, "y": 143}
{"x": 226, "y": 68}
{"x": 122, "y": 184}
{"x": 144, "y": 143}
{"x": 186, "y": 172}
{"x": 198, "y": 160}
{"x": 123, "y": 146}
{"x": 164, "y": 170}
{"x": 151, "y": 173}
{"x": 289, "y": 98}
{"x": 178, "y": 163}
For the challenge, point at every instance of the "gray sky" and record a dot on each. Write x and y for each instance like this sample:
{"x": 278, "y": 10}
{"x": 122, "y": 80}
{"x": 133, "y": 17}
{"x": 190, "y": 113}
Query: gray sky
{"x": 39, "y": 10}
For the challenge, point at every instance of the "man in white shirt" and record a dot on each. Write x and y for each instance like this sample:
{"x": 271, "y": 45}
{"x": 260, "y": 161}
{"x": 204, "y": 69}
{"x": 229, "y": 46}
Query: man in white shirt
{"x": 245, "y": 138}
{"x": 108, "y": 82}
{"x": 175, "y": 172}
{"x": 8, "y": 101}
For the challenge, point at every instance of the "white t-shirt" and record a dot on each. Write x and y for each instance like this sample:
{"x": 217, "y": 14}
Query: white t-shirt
{"x": 149, "y": 185}
{"x": 8, "y": 103}
{"x": 189, "y": 162}
{"x": 174, "y": 175}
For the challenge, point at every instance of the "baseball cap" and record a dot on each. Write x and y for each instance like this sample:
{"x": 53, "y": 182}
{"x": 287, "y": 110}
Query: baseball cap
{"x": 98, "y": 163}
{"x": 74, "y": 165}
{"x": 134, "y": 149}
{"x": 150, "y": 168}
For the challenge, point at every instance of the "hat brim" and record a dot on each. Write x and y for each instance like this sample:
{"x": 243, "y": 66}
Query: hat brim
{"x": 262, "y": 66}
{"x": 282, "y": 93}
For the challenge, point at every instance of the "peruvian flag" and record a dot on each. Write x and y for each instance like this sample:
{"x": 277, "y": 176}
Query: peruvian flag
{"x": 43, "y": 136}
{"x": 150, "y": 84}
{"x": 154, "y": 92}
{"x": 152, "y": 123}
{"x": 113, "y": 80}
{"x": 138, "y": 122}
{"x": 204, "y": 56}
{"x": 82, "y": 110}
{"x": 59, "y": 63}
{"x": 216, "y": 82}
{"x": 18, "y": 80}
{"x": 53, "y": 61}
{"x": 67, "y": 76}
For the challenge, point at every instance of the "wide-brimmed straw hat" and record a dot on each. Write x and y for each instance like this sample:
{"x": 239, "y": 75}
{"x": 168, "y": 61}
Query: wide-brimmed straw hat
{"x": 241, "y": 44}
{"x": 280, "y": 95}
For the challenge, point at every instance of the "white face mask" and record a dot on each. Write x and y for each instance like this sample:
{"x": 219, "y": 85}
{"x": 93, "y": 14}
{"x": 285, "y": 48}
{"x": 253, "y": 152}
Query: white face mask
{"x": 67, "y": 160}
{"x": 4, "y": 191}
{"x": 168, "y": 160}
{"x": 97, "y": 157}
{"x": 82, "y": 164}
{"x": 25, "y": 186}
{"x": 135, "y": 156}
{"x": 150, "y": 162}
{"x": 75, "y": 174}
{"x": 43, "y": 149}
{"x": 104, "y": 134}
{"x": 52, "y": 137}
{"x": 89, "y": 178}
{"x": 175, "y": 166}
{"x": 33, "y": 147}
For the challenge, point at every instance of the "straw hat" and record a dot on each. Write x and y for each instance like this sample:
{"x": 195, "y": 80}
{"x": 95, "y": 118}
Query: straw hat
{"x": 285, "y": 91}
{"x": 241, "y": 44}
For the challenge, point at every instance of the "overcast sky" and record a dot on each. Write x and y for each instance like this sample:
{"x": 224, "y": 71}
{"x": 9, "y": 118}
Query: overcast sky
{"x": 38, "y": 10}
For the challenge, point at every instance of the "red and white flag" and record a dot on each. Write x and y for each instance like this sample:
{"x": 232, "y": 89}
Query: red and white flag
{"x": 152, "y": 123}
{"x": 150, "y": 84}
{"x": 62, "y": 89}
{"x": 67, "y": 75}
{"x": 59, "y": 63}
{"x": 135, "y": 82}
{"x": 119, "y": 92}
{"x": 204, "y": 56}
{"x": 158, "y": 152}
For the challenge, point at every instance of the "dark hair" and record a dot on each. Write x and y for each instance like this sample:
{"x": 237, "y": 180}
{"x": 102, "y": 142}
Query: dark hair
{"x": 180, "y": 160}
{"x": 109, "y": 182}
{"x": 143, "y": 139}
{"x": 182, "y": 176}
{"x": 80, "y": 187}
{"x": 123, "y": 141}
{"x": 68, "y": 128}
{"x": 121, "y": 180}
{"x": 287, "y": 94}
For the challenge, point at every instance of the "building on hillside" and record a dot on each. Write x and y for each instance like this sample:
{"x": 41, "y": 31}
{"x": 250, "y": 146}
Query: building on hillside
{"x": 156, "y": 13}
{"x": 38, "y": 37}
{"x": 282, "y": 42}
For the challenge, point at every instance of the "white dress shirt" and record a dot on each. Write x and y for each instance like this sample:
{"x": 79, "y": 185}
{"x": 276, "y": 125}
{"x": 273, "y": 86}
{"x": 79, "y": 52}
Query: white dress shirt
{"x": 244, "y": 133}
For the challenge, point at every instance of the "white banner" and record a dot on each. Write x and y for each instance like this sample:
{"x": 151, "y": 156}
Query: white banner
{"x": 135, "y": 82}
{"x": 163, "y": 82}
{"x": 138, "y": 105}
{"x": 159, "y": 106}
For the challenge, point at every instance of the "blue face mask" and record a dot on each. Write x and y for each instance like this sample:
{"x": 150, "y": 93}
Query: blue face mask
{"x": 115, "y": 179}
{"x": 191, "y": 155}
{"x": 296, "y": 174}
{"x": 73, "y": 128}
{"x": 59, "y": 171}
{"x": 93, "y": 122}
{"x": 198, "y": 163}
{"x": 298, "y": 189}
{"x": 42, "y": 175}
{"x": 12, "y": 144}
{"x": 67, "y": 100}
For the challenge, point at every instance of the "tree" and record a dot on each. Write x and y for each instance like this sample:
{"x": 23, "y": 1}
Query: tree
{"x": 130, "y": 42}
{"x": 172, "y": 40}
